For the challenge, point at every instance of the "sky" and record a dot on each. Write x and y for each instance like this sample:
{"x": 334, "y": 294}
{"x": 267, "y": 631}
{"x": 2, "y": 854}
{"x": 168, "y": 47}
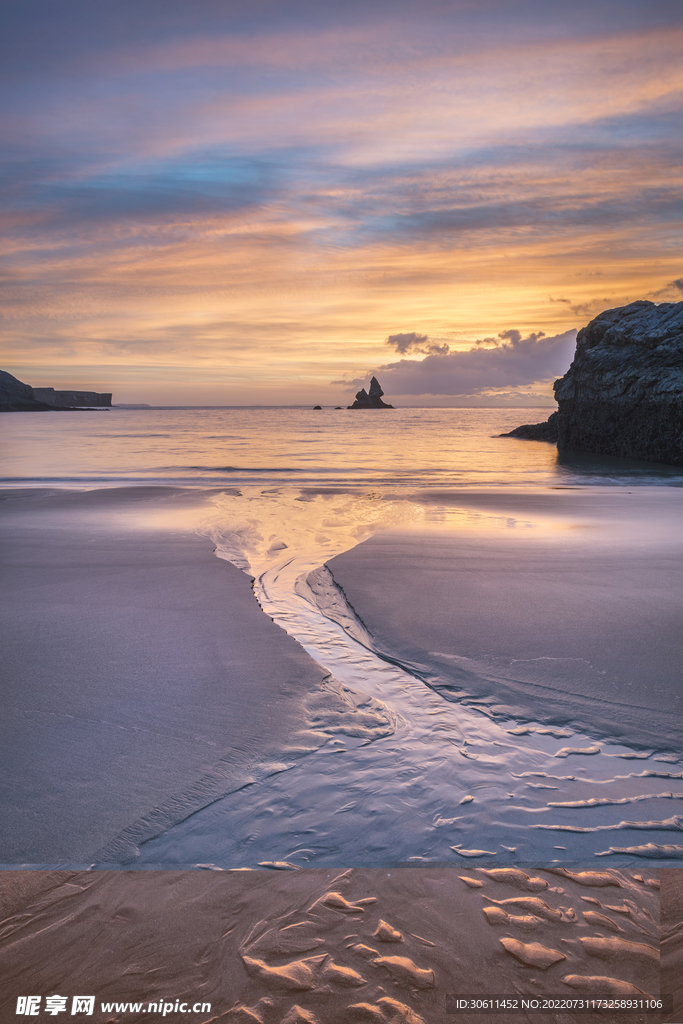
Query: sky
{"x": 266, "y": 202}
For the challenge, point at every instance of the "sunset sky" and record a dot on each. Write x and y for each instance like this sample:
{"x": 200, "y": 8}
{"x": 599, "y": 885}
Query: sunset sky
{"x": 218, "y": 202}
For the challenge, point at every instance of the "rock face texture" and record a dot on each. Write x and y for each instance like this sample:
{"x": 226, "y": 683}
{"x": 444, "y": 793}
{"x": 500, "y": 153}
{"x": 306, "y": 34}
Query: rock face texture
{"x": 546, "y": 431}
{"x": 17, "y": 397}
{"x": 71, "y": 399}
{"x": 623, "y": 393}
{"x": 373, "y": 400}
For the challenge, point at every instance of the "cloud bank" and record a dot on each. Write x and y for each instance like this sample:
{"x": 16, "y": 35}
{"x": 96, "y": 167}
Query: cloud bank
{"x": 256, "y": 189}
{"x": 508, "y": 361}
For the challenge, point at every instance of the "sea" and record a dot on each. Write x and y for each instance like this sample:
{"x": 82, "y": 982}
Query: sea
{"x": 275, "y": 446}
{"x": 287, "y": 490}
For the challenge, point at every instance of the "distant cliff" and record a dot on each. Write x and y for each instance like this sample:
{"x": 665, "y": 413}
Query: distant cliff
{"x": 71, "y": 399}
{"x": 16, "y": 396}
{"x": 623, "y": 393}
{"x": 372, "y": 400}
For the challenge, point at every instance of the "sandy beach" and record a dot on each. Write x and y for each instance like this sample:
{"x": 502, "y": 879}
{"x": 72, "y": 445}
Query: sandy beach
{"x": 562, "y": 607}
{"x": 480, "y": 802}
{"x": 326, "y": 947}
{"x": 522, "y": 704}
{"x": 141, "y": 680}
{"x": 672, "y": 939}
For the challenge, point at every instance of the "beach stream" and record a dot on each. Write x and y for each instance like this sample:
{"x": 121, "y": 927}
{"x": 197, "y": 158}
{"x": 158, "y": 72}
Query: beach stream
{"x": 450, "y": 783}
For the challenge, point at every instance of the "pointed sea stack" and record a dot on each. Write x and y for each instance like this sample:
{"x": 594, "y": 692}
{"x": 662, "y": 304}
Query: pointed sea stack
{"x": 372, "y": 400}
{"x": 623, "y": 393}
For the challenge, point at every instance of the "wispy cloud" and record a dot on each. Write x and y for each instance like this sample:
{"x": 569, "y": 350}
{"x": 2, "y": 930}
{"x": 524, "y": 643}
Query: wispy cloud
{"x": 270, "y": 185}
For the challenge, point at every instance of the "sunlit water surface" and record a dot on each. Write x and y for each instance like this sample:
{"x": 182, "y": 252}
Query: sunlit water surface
{"x": 274, "y": 446}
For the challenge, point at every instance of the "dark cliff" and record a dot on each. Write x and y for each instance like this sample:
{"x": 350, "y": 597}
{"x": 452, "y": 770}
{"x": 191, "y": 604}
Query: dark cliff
{"x": 16, "y": 396}
{"x": 623, "y": 393}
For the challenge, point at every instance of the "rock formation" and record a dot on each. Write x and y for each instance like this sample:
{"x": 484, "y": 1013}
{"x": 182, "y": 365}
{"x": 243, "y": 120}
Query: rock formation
{"x": 372, "y": 400}
{"x": 18, "y": 397}
{"x": 72, "y": 399}
{"x": 623, "y": 393}
{"x": 546, "y": 431}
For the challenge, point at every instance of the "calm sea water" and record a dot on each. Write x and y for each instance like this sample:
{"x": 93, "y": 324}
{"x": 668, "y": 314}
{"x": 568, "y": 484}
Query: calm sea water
{"x": 301, "y": 447}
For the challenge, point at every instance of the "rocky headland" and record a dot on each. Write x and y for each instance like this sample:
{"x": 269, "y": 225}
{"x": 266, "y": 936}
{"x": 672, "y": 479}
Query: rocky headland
{"x": 18, "y": 397}
{"x": 373, "y": 400}
{"x": 15, "y": 396}
{"x": 623, "y": 393}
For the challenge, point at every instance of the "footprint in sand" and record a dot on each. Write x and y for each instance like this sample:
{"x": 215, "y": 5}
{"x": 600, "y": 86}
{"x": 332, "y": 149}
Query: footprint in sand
{"x": 298, "y": 976}
{"x": 405, "y": 972}
{"x": 637, "y": 953}
{"x": 536, "y": 906}
{"x": 497, "y": 916}
{"x": 297, "y": 1015}
{"x": 246, "y": 1014}
{"x": 533, "y": 954}
{"x": 386, "y": 1011}
{"x": 601, "y": 921}
{"x": 337, "y": 902}
{"x": 599, "y": 985}
{"x": 399, "y": 1013}
{"x": 515, "y": 877}
{"x": 367, "y": 952}
{"x": 597, "y": 878}
{"x": 339, "y": 975}
{"x": 385, "y": 933}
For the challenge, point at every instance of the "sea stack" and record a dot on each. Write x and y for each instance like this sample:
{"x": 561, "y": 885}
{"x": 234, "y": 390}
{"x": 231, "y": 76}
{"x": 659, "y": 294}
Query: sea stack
{"x": 623, "y": 393}
{"x": 372, "y": 400}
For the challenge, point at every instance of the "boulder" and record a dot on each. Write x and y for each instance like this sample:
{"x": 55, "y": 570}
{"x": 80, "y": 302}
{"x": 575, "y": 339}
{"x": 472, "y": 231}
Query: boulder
{"x": 546, "y": 431}
{"x": 623, "y": 393}
{"x": 373, "y": 400}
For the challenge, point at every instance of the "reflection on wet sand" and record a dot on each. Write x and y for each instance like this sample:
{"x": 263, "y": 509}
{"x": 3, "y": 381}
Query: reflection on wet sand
{"x": 402, "y": 798}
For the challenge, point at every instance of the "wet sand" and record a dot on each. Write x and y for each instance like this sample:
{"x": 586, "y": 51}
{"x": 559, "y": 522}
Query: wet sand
{"x": 146, "y": 690}
{"x": 672, "y": 941}
{"x": 145, "y": 683}
{"x": 326, "y": 947}
{"x": 560, "y": 607}
{"x": 141, "y": 680}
